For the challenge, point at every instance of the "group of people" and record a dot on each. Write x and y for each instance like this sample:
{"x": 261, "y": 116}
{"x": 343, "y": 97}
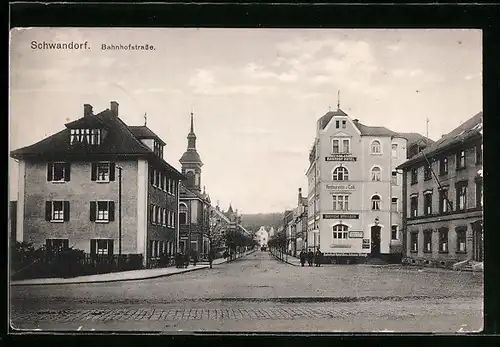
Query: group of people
{"x": 182, "y": 260}
{"x": 310, "y": 257}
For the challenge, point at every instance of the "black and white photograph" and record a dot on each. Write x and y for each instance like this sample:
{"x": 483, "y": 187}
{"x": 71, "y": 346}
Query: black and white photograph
{"x": 182, "y": 180}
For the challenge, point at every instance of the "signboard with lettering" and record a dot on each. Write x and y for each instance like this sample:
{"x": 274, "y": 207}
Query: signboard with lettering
{"x": 340, "y": 216}
{"x": 340, "y": 186}
{"x": 366, "y": 244}
{"x": 347, "y": 254}
{"x": 340, "y": 158}
{"x": 355, "y": 234}
{"x": 340, "y": 246}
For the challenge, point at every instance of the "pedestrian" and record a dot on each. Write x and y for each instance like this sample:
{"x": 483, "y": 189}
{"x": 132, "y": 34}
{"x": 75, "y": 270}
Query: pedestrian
{"x": 310, "y": 257}
{"x": 186, "y": 260}
{"x": 317, "y": 258}
{"x": 195, "y": 258}
{"x": 302, "y": 257}
{"x": 177, "y": 259}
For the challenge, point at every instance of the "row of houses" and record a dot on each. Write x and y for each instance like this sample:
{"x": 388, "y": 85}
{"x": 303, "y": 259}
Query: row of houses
{"x": 377, "y": 193}
{"x": 104, "y": 187}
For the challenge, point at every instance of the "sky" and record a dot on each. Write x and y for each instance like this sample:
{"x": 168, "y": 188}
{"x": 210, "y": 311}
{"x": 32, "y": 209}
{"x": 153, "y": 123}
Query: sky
{"x": 256, "y": 93}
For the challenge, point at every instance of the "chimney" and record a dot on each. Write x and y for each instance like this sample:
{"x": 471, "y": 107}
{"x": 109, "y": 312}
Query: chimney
{"x": 355, "y": 120}
{"x": 87, "y": 110}
{"x": 114, "y": 108}
{"x": 300, "y": 196}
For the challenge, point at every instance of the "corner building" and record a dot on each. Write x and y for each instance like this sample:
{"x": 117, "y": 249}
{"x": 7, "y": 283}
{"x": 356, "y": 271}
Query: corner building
{"x": 354, "y": 189}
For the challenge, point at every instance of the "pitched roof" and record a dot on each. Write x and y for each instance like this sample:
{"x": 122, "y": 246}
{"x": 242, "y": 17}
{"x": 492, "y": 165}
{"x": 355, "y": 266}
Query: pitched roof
{"x": 143, "y": 132}
{"x": 190, "y": 156}
{"x": 467, "y": 130}
{"x": 119, "y": 140}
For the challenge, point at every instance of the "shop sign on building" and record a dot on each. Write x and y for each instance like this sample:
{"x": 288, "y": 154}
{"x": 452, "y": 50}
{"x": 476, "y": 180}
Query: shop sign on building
{"x": 366, "y": 244}
{"x": 340, "y": 186}
{"x": 340, "y": 216}
{"x": 340, "y": 158}
{"x": 355, "y": 234}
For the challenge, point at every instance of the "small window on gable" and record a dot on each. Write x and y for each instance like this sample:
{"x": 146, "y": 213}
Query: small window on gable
{"x": 376, "y": 148}
{"x": 337, "y": 124}
{"x": 344, "y": 124}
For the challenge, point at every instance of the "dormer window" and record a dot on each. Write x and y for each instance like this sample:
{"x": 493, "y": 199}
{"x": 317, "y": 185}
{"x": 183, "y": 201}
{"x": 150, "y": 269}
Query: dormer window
{"x": 158, "y": 149}
{"x": 87, "y": 136}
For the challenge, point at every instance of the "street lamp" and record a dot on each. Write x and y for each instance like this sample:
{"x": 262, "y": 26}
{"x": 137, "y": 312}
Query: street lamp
{"x": 119, "y": 209}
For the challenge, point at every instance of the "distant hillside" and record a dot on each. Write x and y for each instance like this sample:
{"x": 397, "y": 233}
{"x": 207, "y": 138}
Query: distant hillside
{"x": 255, "y": 221}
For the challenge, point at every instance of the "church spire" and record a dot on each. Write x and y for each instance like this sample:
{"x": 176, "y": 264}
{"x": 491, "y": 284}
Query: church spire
{"x": 191, "y": 136}
{"x": 192, "y": 123}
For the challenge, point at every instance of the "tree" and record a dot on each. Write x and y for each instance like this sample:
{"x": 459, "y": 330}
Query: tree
{"x": 214, "y": 232}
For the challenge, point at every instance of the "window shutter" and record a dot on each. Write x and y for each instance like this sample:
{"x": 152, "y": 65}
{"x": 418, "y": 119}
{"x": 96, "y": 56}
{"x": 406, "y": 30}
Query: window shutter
{"x": 67, "y": 172}
{"x": 110, "y": 247}
{"x": 66, "y": 211}
{"x": 48, "y": 210}
{"x": 111, "y": 211}
{"x": 93, "y": 246}
{"x": 112, "y": 171}
{"x": 93, "y": 175}
{"x": 50, "y": 169}
{"x": 93, "y": 210}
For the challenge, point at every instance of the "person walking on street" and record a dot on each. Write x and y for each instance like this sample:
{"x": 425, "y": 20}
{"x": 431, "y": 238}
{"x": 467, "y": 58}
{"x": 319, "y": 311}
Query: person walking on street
{"x": 310, "y": 256}
{"x": 317, "y": 258}
{"x": 302, "y": 257}
{"x": 186, "y": 260}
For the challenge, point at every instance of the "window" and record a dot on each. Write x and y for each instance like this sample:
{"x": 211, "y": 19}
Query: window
{"x": 428, "y": 241}
{"x": 57, "y": 211}
{"x": 427, "y": 172}
{"x": 461, "y": 239}
{"x": 443, "y": 240}
{"x": 58, "y": 172}
{"x": 101, "y": 247}
{"x": 414, "y": 176}
{"x": 376, "y": 202}
{"x": 479, "y": 193}
{"x": 158, "y": 149}
{"x": 394, "y": 151}
{"x": 414, "y": 241}
{"x": 157, "y": 178}
{"x": 344, "y": 124}
{"x": 479, "y": 154}
{"x": 341, "y": 202}
{"x": 158, "y": 215}
{"x": 182, "y": 214}
{"x": 376, "y": 149}
{"x": 461, "y": 159}
{"x": 394, "y": 232}
{"x": 444, "y": 205}
{"x": 413, "y": 206}
{"x": 345, "y": 146}
{"x": 102, "y": 211}
{"x": 461, "y": 188}
{"x": 376, "y": 174}
{"x": 103, "y": 172}
{"x": 87, "y": 136}
{"x": 337, "y": 124}
{"x": 56, "y": 245}
{"x": 428, "y": 203}
{"x": 164, "y": 217}
{"x": 443, "y": 166}
{"x": 340, "y": 232}
{"x": 394, "y": 204}
{"x": 394, "y": 178}
{"x": 340, "y": 174}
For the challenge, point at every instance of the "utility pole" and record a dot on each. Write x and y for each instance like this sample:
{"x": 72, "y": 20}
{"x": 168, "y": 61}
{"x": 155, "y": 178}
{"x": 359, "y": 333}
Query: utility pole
{"x": 119, "y": 210}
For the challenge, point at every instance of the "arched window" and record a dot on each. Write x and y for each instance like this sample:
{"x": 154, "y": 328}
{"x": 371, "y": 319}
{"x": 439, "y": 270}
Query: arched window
{"x": 376, "y": 202}
{"x": 376, "y": 147}
{"x": 340, "y": 174}
{"x": 376, "y": 174}
{"x": 183, "y": 213}
{"x": 340, "y": 232}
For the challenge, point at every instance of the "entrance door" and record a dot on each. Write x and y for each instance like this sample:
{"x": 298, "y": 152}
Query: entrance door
{"x": 477, "y": 230}
{"x": 375, "y": 232}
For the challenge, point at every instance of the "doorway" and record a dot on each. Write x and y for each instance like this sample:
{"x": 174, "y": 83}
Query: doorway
{"x": 477, "y": 239}
{"x": 375, "y": 243}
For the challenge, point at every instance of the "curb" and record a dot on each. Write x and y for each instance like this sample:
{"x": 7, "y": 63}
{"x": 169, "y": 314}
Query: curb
{"x": 282, "y": 260}
{"x": 122, "y": 279}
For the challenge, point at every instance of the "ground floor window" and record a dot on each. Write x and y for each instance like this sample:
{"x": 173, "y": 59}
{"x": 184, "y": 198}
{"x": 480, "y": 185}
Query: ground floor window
{"x": 340, "y": 232}
{"x": 461, "y": 239}
{"x": 394, "y": 232}
{"x": 414, "y": 241}
{"x": 428, "y": 241}
{"x": 101, "y": 246}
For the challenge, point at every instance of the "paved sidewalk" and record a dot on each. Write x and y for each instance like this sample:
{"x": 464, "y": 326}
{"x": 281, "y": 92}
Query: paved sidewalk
{"x": 288, "y": 259}
{"x": 120, "y": 276}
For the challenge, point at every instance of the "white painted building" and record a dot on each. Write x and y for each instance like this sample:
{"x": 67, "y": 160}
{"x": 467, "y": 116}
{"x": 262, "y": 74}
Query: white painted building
{"x": 262, "y": 236}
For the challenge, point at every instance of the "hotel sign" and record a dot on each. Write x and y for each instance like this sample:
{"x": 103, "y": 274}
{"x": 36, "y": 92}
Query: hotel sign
{"x": 340, "y": 216}
{"x": 347, "y": 254}
{"x": 340, "y": 158}
{"x": 340, "y": 186}
{"x": 355, "y": 234}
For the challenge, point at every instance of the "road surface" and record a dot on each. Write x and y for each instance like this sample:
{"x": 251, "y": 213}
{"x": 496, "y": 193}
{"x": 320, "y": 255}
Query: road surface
{"x": 259, "y": 293}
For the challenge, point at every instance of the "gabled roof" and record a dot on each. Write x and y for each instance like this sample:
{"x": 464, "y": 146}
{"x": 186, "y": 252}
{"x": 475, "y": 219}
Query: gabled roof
{"x": 143, "y": 132}
{"x": 119, "y": 141}
{"x": 185, "y": 192}
{"x": 467, "y": 130}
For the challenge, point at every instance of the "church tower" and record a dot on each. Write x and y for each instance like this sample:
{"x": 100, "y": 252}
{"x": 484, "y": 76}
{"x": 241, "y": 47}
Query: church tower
{"x": 191, "y": 162}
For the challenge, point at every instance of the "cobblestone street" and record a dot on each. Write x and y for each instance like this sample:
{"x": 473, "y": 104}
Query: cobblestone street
{"x": 258, "y": 293}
